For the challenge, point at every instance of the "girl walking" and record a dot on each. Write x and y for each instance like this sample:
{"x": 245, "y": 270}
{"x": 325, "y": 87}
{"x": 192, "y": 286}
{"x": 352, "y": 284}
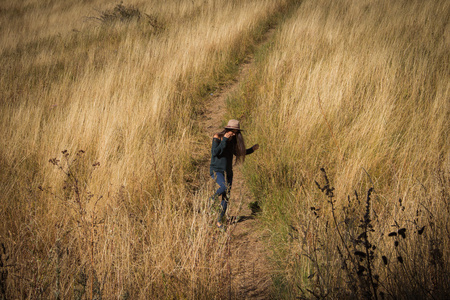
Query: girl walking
{"x": 225, "y": 144}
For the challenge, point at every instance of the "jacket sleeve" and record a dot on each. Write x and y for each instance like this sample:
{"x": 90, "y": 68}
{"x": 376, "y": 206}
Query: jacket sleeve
{"x": 218, "y": 146}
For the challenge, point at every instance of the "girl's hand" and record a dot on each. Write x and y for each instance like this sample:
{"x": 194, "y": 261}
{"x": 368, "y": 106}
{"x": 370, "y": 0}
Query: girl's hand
{"x": 255, "y": 147}
{"x": 229, "y": 134}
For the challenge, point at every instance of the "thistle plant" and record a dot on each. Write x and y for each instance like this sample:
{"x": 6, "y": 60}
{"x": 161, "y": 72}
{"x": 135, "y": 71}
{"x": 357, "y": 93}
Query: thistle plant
{"x": 358, "y": 254}
{"x": 77, "y": 195}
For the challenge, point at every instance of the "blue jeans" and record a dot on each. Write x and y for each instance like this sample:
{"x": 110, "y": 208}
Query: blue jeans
{"x": 224, "y": 189}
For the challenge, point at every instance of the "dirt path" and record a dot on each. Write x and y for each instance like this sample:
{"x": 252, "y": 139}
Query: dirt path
{"x": 250, "y": 272}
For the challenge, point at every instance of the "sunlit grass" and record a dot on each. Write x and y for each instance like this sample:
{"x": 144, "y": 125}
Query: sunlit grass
{"x": 357, "y": 87}
{"x": 360, "y": 88}
{"x": 125, "y": 217}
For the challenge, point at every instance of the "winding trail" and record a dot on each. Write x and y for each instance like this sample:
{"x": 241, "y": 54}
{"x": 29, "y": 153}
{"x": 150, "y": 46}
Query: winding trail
{"x": 247, "y": 258}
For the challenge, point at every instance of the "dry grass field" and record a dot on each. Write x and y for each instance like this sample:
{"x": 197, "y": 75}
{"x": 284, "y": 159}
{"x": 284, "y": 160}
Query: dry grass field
{"x": 100, "y": 185}
{"x": 361, "y": 89}
{"x": 102, "y": 191}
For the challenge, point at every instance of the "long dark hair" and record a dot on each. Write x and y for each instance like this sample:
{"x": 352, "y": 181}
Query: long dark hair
{"x": 238, "y": 145}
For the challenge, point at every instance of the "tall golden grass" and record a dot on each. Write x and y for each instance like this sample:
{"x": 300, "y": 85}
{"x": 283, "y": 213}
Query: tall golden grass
{"x": 360, "y": 88}
{"x": 125, "y": 217}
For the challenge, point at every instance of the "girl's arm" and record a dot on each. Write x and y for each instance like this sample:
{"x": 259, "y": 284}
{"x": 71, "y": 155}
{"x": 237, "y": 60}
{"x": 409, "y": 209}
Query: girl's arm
{"x": 252, "y": 149}
{"x": 218, "y": 146}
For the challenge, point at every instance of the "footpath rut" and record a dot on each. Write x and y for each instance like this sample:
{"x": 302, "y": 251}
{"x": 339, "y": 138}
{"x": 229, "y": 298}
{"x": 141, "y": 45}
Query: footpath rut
{"x": 249, "y": 268}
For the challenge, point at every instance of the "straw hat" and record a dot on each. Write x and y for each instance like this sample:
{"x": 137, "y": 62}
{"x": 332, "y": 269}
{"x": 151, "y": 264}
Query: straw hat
{"x": 233, "y": 124}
